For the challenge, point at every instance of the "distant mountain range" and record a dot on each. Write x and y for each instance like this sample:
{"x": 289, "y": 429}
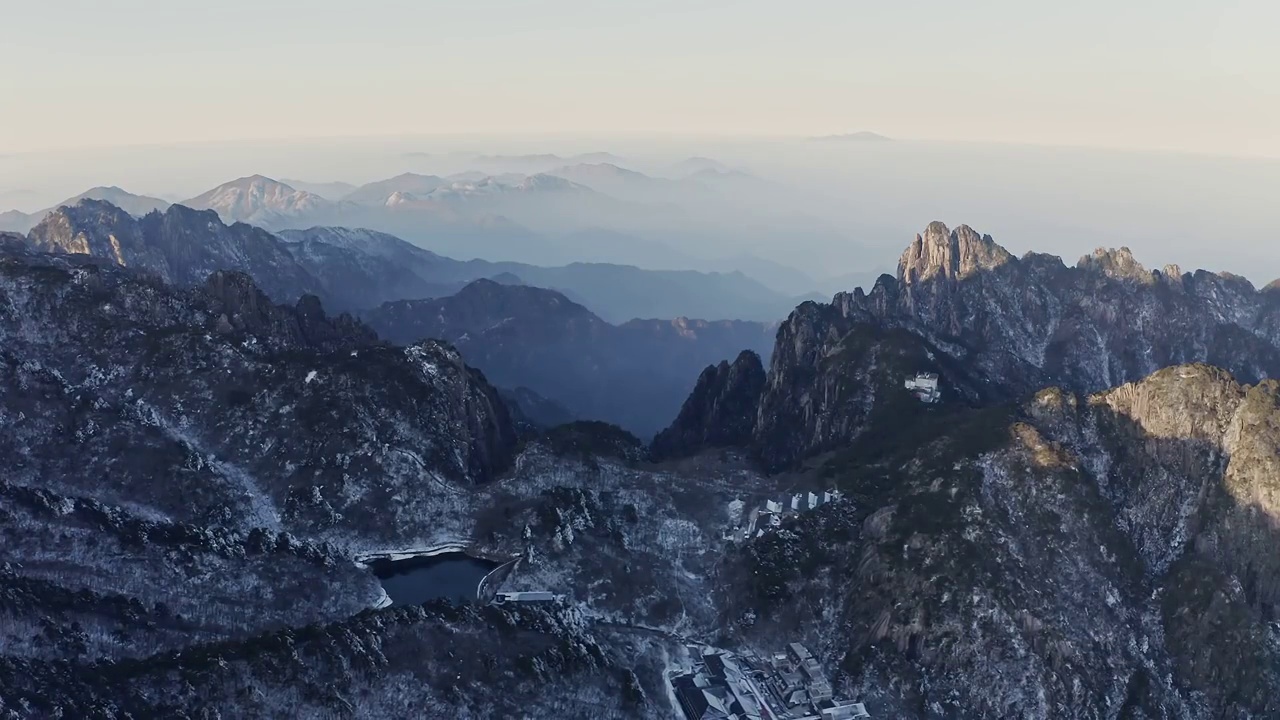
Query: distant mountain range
{"x": 593, "y": 212}
{"x": 635, "y": 375}
{"x": 137, "y": 205}
{"x": 354, "y": 269}
{"x": 498, "y": 164}
{"x": 489, "y": 218}
{"x": 326, "y": 190}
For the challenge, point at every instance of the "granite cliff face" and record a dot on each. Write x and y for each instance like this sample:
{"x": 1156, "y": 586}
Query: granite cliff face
{"x": 721, "y": 411}
{"x": 233, "y": 407}
{"x": 997, "y": 328}
{"x": 1102, "y": 323}
{"x": 1069, "y": 556}
{"x": 180, "y": 245}
{"x": 191, "y": 472}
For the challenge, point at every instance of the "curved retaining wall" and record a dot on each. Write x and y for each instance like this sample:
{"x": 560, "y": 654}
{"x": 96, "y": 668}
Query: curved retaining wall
{"x": 489, "y": 585}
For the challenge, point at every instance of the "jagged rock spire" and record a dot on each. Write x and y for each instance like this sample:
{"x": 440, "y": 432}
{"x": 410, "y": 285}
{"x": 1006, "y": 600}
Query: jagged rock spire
{"x": 1116, "y": 263}
{"x": 953, "y": 254}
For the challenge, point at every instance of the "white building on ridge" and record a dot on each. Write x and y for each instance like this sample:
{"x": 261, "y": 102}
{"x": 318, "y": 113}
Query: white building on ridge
{"x": 924, "y": 386}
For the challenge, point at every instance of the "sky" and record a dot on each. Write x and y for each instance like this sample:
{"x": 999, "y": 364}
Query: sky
{"x": 1199, "y": 76}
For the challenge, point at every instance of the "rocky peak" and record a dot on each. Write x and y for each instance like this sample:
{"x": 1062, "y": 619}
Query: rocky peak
{"x": 1119, "y": 264}
{"x": 180, "y": 244}
{"x": 258, "y": 200}
{"x": 239, "y": 305}
{"x": 1194, "y": 401}
{"x": 96, "y": 228}
{"x": 949, "y": 254}
{"x": 721, "y": 411}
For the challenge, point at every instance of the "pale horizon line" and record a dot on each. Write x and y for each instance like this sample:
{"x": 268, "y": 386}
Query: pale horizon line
{"x": 627, "y": 135}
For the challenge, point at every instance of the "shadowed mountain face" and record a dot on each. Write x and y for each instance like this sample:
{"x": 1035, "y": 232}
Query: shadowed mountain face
{"x": 190, "y": 472}
{"x": 634, "y": 375}
{"x": 188, "y": 475}
{"x": 1060, "y": 550}
{"x": 233, "y": 406}
{"x": 1048, "y": 558}
{"x": 994, "y": 327}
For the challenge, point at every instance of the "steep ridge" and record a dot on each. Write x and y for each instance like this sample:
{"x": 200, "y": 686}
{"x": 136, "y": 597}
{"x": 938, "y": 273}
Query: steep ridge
{"x": 190, "y": 474}
{"x": 996, "y": 327}
{"x": 633, "y": 375}
{"x": 191, "y": 470}
{"x": 233, "y": 407}
{"x": 1102, "y": 323}
{"x": 721, "y": 411}
{"x": 182, "y": 246}
{"x": 1071, "y": 556}
{"x": 136, "y": 205}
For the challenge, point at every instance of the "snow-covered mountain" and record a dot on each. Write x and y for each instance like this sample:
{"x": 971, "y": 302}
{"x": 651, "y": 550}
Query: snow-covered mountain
{"x": 259, "y": 200}
{"x": 375, "y": 193}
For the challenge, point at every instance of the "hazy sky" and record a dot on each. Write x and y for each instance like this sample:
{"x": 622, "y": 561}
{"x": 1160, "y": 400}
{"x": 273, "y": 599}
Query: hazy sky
{"x": 1196, "y": 75}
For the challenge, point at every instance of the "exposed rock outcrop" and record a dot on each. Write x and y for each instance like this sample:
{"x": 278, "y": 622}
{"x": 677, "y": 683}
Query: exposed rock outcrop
{"x": 998, "y": 328}
{"x": 721, "y": 411}
{"x": 232, "y": 407}
{"x": 180, "y": 245}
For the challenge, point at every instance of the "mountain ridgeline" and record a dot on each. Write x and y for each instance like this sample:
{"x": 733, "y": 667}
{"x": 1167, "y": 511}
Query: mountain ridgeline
{"x": 634, "y": 375}
{"x": 1086, "y": 521}
{"x": 246, "y": 401}
{"x": 353, "y": 269}
{"x": 995, "y": 328}
{"x": 1083, "y": 527}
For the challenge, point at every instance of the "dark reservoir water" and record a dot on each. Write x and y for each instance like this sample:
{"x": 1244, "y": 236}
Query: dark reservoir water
{"x": 452, "y": 576}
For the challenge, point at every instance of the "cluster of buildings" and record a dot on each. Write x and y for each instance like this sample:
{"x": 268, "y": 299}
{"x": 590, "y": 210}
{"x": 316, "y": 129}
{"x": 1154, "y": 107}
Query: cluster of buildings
{"x": 762, "y": 519}
{"x": 925, "y": 387}
{"x": 786, "y": 686}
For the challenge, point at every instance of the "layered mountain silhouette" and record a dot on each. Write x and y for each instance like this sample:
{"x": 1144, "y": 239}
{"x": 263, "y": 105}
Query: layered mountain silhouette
{"x": 136, "y": 205}
{"x": 634, "y": 375}
{"x": 358, "y": 269}
{"x": 192, "y": 472}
